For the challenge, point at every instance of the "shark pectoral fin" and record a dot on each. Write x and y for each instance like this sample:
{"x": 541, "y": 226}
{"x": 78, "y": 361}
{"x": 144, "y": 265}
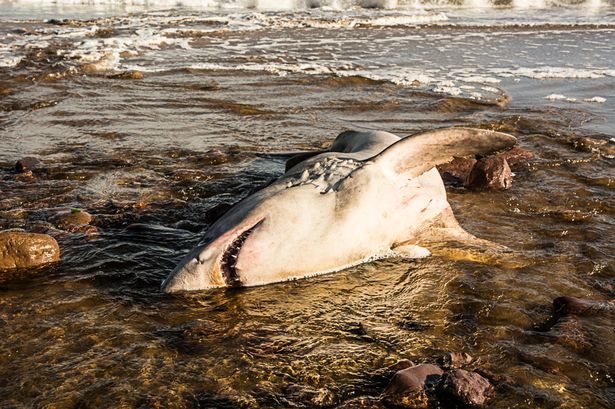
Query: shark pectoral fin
{"x": 420, "y": 152}
{"x": 446, "y": 238}
{"x": 458, "y": 245}
{"x": 411, "y": 251}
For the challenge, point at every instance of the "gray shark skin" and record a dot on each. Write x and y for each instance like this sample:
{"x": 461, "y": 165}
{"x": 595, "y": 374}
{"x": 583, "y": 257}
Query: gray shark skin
{"x": 370, "y": 195}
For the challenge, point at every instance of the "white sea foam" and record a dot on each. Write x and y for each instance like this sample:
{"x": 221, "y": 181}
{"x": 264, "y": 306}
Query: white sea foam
{"x": 8, "y": 61}
{"x": 560, "y": 97}
{"x": 598, "y": 100}
{"x": 556, "y": 72}
{"x": 288, "y": 5}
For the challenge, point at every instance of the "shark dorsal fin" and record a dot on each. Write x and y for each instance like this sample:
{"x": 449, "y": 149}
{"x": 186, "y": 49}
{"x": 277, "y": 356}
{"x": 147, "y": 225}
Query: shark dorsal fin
{"x": 420, "y": 152}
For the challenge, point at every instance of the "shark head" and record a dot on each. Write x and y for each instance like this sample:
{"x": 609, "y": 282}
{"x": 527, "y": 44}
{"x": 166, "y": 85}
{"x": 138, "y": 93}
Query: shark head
{"x": 338, "y": 208}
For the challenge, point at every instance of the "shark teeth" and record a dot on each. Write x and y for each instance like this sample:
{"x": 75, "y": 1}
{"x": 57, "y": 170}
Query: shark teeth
{"x": 228, "y": 261}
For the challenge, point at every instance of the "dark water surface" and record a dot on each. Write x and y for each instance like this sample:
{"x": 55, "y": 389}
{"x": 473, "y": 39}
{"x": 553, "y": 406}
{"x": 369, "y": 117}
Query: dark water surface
{"x": 94, "y": 330}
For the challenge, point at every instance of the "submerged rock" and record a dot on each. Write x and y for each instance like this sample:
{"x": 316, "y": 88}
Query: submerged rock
{"x": 567, "y": 305}
{"x": 413, "y": 379}
{"x": 27, "y": 164}
{"x": 456, "y": 360}
{"x": 491, "y": 172}
{"x": 127, "y": 75}
{"x": 214, "y": 157}
{"x": 24, "y": 250}
{"x": 461, "y": 387}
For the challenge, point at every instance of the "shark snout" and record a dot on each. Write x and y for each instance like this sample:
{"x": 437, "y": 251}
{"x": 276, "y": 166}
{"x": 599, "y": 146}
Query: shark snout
{"x": 196, "y": 271}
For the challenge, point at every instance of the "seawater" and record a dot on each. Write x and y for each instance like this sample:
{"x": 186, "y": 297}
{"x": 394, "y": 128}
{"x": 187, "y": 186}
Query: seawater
{"x": 124, "y": 103}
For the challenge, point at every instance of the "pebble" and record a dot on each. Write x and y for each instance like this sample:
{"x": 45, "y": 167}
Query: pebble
{"x": 20, "y": 249}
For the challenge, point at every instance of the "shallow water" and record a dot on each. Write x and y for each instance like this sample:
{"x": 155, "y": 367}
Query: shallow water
{"x": 94, "y": 330}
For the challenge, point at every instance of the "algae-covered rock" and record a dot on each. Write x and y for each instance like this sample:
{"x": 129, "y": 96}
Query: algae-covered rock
{"x": 67, "y": 218}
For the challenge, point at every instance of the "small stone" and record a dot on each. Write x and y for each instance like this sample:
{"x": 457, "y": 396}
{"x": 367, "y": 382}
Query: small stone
{"x": 567, "y": 305}
{"x": 462, "y": 387}
{"x": 491, "y": 172}
{"x": 415, "y": 378}
{"x": 27, "y": 164}
{"x": 456, "y": 360}
{"x": 25, "y": 250}
{"x": 65, "y": 218}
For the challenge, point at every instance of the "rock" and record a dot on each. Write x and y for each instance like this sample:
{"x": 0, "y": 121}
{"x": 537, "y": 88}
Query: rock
{"x": 214, "y": 157}
{"x": 461, "y": 387}
{"x": 400, "y": 365}
{"x": 571, "y": 332}
{"x": 128, "y": 75}
{"x": 516, "y": 156}
{"x": 27, "y": 164}
{"x": 85, "y": 229}
{"x": 457, "y": 171}
{"x": 456, "y": 360}
{"x": 65, "y": 218}
{"x": 14, "y": 214}
{"x": 577, "y": 306}
{"x": 491, "y": 172}
{"x": 383, "y": 376}
{"x": 495, "y": 379}
{"x": 24, "y": 250}
{"x": 415, "y": 378}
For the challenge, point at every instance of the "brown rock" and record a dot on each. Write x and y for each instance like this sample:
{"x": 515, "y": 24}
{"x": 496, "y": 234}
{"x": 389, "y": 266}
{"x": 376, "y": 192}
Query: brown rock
{"x": 85, "y": 229}
{"x": 214, "y": 157}
{"x": 578, "y": 306}
{"x": 491, "y": 172}
{"x": 516, "y": 156}
{"x": 24, "y": 250}
{"x": 497, "y": 380}
{"x": 457, "y": 170}
{"x": 27, "y": 164}
{"x": 65, "y": 218}
{"x": 128, "y": 75}
{"x": 461, "y": 387}
{"x": 414, "y": 378}
{"x": 400, "y": 365}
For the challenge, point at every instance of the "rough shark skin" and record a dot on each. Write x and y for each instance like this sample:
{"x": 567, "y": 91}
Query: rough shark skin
{"x": 370, "y": 195}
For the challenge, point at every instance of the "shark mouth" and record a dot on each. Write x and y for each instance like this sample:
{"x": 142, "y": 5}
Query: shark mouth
{"x": 228, "y": 261}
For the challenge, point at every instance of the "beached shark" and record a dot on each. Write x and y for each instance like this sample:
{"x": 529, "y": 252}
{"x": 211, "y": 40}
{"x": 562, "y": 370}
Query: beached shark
{"x": 370, "y": 195}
